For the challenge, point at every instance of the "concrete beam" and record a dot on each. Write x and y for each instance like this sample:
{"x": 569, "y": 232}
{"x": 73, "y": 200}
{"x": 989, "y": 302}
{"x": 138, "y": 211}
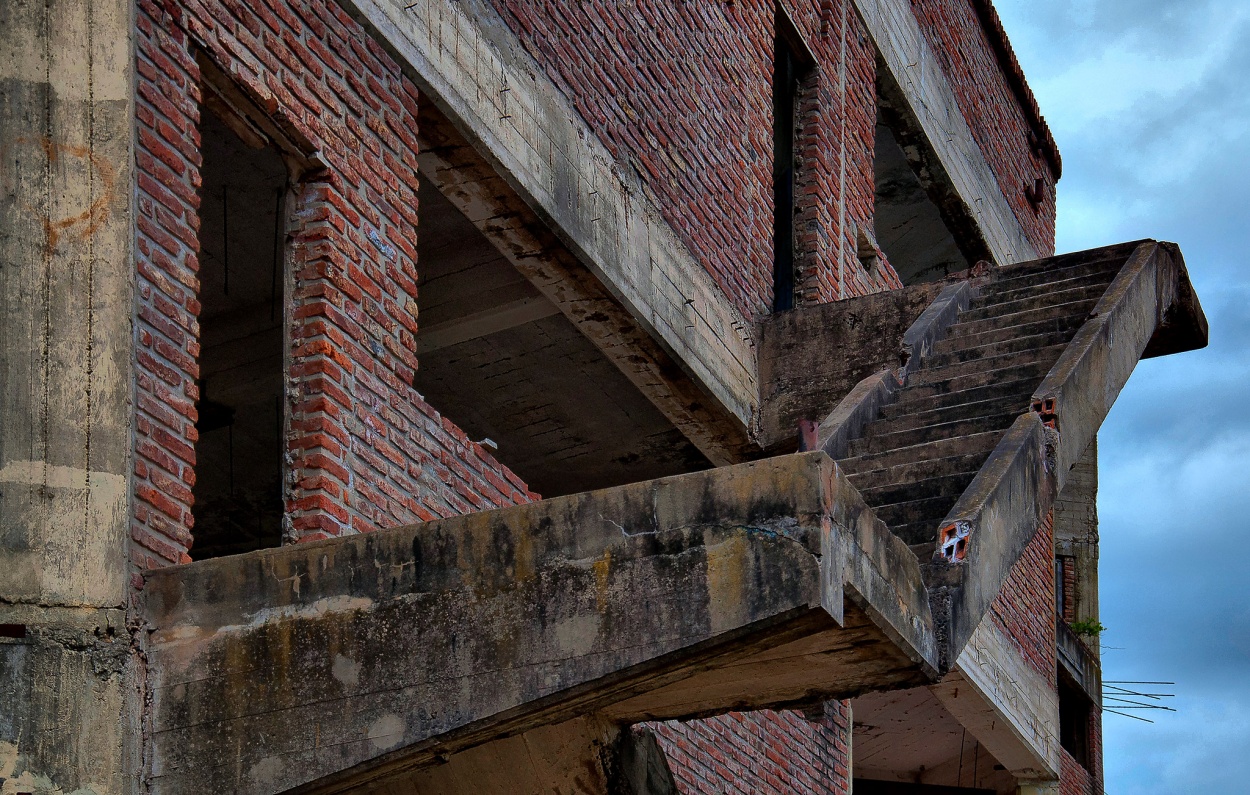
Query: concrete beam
{"x": 464, "y": 58}
{"x": 930, "y": 102}
{"x": 1150, "y": 304}
{"x": 344, "y": 663}
{"x": 484, "y": 322}
{"x": 1006, "y": 704}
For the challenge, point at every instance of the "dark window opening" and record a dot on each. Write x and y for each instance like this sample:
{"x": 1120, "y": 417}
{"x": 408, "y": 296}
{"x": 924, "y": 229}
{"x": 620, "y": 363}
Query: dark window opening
{"x": 910, "y": 226}
{"x": 1075, "y": 710}
{"x": 239, "y": 457}
{"x": 1060, "y": 596}
{"x": 790, "y": 65}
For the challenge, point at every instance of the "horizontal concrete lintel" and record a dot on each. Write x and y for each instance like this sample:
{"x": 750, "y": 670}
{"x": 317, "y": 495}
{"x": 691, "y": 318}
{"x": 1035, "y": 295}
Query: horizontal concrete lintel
{"x": 448, "y": 634}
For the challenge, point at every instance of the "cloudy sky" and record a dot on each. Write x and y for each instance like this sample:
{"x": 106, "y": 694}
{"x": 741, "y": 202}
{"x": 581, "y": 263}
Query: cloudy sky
{"x": 1150, "y": 103}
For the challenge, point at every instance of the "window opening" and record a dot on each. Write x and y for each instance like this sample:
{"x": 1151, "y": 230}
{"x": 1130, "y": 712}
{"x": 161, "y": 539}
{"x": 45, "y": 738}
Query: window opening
{"x": 790, "y": 64}
{"x": 1074, "y": 718}
{"x": 238, "y": 490}
{"x": 909, "y": 226}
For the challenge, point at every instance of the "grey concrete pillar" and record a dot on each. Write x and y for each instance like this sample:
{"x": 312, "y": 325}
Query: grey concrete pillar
{"x": 66, "y": 264}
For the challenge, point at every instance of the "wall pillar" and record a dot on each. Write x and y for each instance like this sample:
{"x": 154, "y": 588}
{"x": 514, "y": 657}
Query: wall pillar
{"x": 66, "y": 662}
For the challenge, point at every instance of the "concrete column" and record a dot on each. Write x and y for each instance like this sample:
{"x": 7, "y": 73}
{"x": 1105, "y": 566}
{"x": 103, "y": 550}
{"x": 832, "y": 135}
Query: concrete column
{"x": 1038, "y": 788}
{"x": 66, "y": 265}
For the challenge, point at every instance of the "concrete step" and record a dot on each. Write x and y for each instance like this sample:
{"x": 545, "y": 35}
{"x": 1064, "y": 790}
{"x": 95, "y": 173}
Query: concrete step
{"x": 992, "y": 294}
{"x": 946, "y": 485}
{"x": 971, "y": 328}
{"x": 977, "y": 444}
{"x": 985, "y": 352}
{"x": 874, "y": 442}
{"x": 916, "y": 400}
{"x": 976, "y": 378}
{"x": 929, "y": 510}
{"x": 895, "y": 421}
{"x": 917, "y": 470}
{"x": 1020, "y": 277}
{"x": 1051, "y": 298}
{"x": 923, "y": 550}
{"x": 930, "y": 374}
{"x": 1063, "y": 323}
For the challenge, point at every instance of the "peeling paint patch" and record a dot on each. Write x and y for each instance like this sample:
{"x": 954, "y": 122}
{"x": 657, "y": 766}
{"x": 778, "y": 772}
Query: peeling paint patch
{"x": 386, "y": 732}
{"x": 345, "y": 670}
{"x": 39, "y": 473}
{"x": 267, "y": 770}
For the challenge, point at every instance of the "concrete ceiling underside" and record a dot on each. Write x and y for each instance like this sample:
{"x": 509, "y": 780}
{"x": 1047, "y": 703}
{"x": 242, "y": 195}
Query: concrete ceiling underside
{"x": 502, "y": 362}
{"x": 909, "y": 736}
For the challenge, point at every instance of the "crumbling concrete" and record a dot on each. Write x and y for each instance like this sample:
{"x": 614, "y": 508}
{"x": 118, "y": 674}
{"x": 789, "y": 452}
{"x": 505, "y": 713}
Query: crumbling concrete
{"x": 364, "y": 658}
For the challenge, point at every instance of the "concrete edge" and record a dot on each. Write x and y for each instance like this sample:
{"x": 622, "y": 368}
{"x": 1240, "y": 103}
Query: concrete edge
{"x": 1079, "y": 390}
{"x": 987, "y": 530}
{"x": 933, "y": 323}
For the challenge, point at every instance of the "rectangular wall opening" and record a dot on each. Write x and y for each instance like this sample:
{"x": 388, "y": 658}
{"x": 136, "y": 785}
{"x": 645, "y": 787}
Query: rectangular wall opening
{"x": 791, "y": 63}
{"x": 239, "y": 456}
{"x": 1075, "y": 710}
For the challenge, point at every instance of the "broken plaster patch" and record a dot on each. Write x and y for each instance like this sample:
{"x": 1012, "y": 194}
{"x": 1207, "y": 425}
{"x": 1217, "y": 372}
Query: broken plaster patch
{"x": 386, "y": 732}
{"x": 345, "y": 670}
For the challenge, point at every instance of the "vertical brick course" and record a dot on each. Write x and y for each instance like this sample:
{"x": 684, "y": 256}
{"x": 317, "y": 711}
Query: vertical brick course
{"x": 1024, "y": 610}
{"x": 365, "y": 451}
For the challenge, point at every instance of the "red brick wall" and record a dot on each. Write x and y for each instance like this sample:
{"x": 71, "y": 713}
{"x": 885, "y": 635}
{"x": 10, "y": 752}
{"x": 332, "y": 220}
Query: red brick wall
{"x": 682, "y": 92}
{"x": 753, "y": 753}
{"x": 994, "y": 113}
{"x": 1076, "y": 780}
{"x": 1024, "y": 609}
{"x": 366, "y": 450}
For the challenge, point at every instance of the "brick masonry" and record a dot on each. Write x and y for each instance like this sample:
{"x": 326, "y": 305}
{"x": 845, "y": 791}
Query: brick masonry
{"x": 364, "y": 449}
{"x": 1024, "y": 610}
{"x": 756, "y": 752}
{"x": 700, "y": 136}
{"x": 999, "y": 124}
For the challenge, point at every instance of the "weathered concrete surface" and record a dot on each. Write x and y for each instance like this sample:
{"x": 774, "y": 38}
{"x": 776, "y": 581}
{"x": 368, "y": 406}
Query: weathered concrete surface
{"x": 1076, "y": 535}
{"x": 65, "y": 307}
{"x": 863, "y": 403}
{"x": 991, "y": 524}
{"x": 467, "y": 61}
{"x": 365, "y": 658}
{"x": 812, "y": 357}
{"x": 1005, "y": 703}
{"x": 974, "y": 201}
{"x": 1151, "y": 295}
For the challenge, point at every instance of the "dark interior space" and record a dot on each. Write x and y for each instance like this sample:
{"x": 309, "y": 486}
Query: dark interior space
{"x": 907, "y": 223}
{"x": 790, "y": 66}
{"x": 502, "y": 362}
{"x": 238, "y": 489}
{"x": 1074, "y": 714}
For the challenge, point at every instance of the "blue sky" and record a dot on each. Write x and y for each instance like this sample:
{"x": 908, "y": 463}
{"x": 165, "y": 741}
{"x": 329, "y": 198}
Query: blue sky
{"x": 1150, "y": 103}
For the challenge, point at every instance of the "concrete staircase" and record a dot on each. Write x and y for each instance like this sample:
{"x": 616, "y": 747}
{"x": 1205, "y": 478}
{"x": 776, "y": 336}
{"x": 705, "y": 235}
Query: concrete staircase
{"x": 914, "y": 461}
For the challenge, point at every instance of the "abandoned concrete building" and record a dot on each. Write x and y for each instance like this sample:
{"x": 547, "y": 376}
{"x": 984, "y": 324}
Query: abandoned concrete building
{"x": 548, "y": 396}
